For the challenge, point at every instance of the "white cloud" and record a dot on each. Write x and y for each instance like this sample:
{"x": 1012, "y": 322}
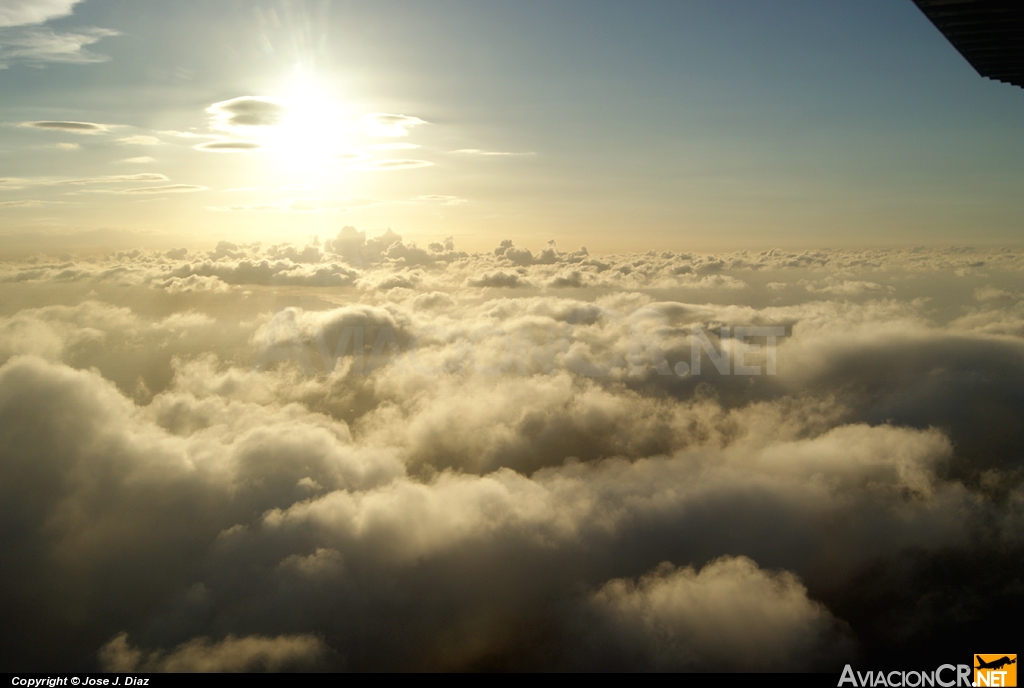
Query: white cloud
{"x": 396, "y": 145}
{"x": 229, "y": 146}
{"x": 69, "y": 127}
{"x": 21, "y": 12}
{"x": 140, "y": 140}
{"x": 107, "y": 179}
{"x": 477, "y": 151}
{"x": 362, "y": 453}
{"x": 440, "y": 199}
{"x": 21, "y": 204}
{"x": 297, "y": 205}
{"x": 37, "y": 46}
{"x": 394, "y": 164}
{"x": 167, "y": 188}
{"x": 729, "y": 616}
{"x": 245, "y": 112}
{"x": 187, "y": 134}
{"x": 384, "y": 124}
{"x": 990, "y": 293}
{"x": 848, "y": 287}
{"x": 249, "y": 654}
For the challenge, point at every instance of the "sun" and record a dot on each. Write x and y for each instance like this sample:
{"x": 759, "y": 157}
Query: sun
{"x": 314, "y": 133}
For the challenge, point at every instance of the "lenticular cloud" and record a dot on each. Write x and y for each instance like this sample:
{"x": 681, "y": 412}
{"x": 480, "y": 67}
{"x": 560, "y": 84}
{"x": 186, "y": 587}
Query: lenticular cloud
{"x": 364, "y": 454}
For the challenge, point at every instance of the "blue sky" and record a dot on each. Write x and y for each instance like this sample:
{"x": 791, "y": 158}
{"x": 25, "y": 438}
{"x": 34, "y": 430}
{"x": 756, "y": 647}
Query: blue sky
{"x": 627, "y": 127}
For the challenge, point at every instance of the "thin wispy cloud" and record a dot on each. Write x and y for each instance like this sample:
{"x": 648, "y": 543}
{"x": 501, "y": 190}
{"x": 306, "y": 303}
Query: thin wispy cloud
{"x": 169, "y": 188}
{"x": 228, "y": 146}
{"x": 396, "y": 145}
{"x": 140, "y": 140}
{"x": 113, "y": 179}
{"x": 21, "y": 204}
{"x": 385, "y": 124}
{"x": 384, "y": 165}
{"x": 12, "y": 183}
{"x": 478, "y": 151}
{"x": 246, "y": 111}
{"x": 68, "y": 127}
{"x": 39, "y": 46}
{"x": 440, "y": 199}
{"x": 142, "y": 159}
{"x": 187, "y": 134}
{"x": 296, "y": 205}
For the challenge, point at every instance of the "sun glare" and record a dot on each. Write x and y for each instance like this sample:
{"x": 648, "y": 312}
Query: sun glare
{"x": 313, "y": 133}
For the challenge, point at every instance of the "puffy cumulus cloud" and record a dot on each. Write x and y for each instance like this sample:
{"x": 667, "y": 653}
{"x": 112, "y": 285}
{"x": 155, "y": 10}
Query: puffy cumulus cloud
{"x": 209, "y": 283}
{"x": 231, "y": 264}
{"x": 360, "y": 453}
{"x": 990, "y": 293}
{"x": 499, "y": 279}
{"x": 360, "y": 330}
{"x": 106, "y": 439}
{"x": 265, "y": 272}
{"x": 523, "y": 256}
{"x": 254, "y": 653}
{"x": 292, "y": 519}
{"x": 247, "y": 111}
{"x": 848, "y": 287}
{"x": 730, "y": 616}
{"x": 137, "y": 353}
{"x": 358, "y": 250}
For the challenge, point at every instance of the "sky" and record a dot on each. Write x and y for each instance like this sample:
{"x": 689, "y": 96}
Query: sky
{"x": 674, "y": 125}
{"x": 468, "y": 336}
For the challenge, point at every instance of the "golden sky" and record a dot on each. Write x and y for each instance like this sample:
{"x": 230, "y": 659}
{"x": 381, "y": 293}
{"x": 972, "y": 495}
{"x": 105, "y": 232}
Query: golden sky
{"x": 677, "y": 126}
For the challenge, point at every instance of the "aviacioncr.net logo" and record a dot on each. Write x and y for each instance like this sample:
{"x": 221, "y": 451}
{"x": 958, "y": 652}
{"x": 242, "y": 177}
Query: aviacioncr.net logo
{"x": 995, "y": 670}
{"x": 946, "y": 676}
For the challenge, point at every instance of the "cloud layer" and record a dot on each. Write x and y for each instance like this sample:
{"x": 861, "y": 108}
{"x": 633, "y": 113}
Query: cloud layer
{"x": 366, "y": 454}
